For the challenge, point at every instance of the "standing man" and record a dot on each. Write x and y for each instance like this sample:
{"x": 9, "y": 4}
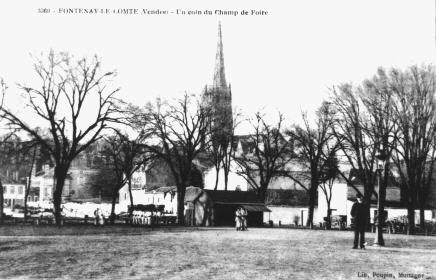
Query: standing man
{"x": 359, "y": 214}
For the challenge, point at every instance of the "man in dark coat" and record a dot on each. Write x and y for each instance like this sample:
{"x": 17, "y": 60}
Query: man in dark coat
{"x": 359, "y": 212}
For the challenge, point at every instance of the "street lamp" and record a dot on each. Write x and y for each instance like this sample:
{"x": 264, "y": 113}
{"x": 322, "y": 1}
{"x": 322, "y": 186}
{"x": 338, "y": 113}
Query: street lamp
{"x": 381, "y": 160}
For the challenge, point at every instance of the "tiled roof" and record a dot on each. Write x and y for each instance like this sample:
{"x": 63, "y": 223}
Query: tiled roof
{"x": 393, "y": 195}
{"x": 233, "y": 196}
{"x": 286, "y": 197}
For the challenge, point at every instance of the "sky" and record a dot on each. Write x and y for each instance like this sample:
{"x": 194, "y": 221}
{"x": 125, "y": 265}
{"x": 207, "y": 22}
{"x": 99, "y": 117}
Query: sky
{"x": 284, "y": 61}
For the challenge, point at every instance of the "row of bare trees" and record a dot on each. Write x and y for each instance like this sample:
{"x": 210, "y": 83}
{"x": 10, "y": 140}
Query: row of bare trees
{"x": 75, "y": 105}
{"x": 393, "y": 113}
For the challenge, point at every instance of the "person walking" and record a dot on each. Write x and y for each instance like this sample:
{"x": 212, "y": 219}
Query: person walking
{"x": 359, "y": 212}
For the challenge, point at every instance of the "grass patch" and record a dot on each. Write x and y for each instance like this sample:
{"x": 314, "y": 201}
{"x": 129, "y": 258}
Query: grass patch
{"x": 122, "y": 252}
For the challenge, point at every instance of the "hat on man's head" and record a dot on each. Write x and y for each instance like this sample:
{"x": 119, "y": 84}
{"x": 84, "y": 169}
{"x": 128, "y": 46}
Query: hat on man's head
{"x": 359, "y": 195}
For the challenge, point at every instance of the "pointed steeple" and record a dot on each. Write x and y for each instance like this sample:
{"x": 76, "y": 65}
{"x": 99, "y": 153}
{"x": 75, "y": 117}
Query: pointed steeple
{"x": 219, "y": 79}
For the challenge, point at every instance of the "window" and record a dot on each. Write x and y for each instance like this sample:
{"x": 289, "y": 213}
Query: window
{"x": 12, "y": 190}
{"x": 4, "y": 189}
{"x": 20, "y": 189}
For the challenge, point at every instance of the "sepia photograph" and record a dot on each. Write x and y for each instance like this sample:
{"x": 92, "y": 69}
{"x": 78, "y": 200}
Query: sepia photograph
{"x": 218, "y": 139}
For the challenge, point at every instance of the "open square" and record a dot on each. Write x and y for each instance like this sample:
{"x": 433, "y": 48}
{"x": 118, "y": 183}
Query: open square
{"x": 121, "y": 252}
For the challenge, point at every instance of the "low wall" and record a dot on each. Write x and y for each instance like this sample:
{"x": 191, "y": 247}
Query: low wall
{"x": 287, "y": 215}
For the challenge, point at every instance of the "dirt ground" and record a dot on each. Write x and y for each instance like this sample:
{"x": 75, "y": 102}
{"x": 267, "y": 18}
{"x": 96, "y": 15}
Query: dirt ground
{"x": 207, "y": 253}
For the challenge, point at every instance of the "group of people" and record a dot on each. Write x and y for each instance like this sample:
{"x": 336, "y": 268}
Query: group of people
{"x": 141, "y": 218}
{"x": 99, "y": 217}
{"x": 241, "y": 219}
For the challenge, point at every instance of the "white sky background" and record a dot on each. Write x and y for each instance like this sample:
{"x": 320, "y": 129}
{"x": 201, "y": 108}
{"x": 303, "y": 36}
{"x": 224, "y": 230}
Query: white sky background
{"x": 285, "y": 61}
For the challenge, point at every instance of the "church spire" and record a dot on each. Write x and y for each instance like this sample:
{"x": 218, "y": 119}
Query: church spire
{"x": 219, "y": 79}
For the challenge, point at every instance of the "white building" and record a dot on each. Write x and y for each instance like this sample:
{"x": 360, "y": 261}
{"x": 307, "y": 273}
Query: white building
{"x": 160, "y": 196}
{"x": 13, "y": 194}
{"x": 343, "y": 197}
{"x": 339, "y": 204}
{"x": 43, "y": 181}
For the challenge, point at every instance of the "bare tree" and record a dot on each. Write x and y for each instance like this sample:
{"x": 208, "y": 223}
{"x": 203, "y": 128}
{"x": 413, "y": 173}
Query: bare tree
{"x": 229, "y": 150}
{"x": 221, "y": 150}
{"x": 179, "y": 135}
{"x": 126, "y": 157}
{"x": 415, "y": 114}
{"x": 351, "y": 132}
{"x": 216, "y": 152}
{"x": 392, "y": 114}
{"x": 74, "y": 100}
{"x": 312, "y": 148}
{"x": 376, "y": 95}
{"x": 266, "y": 156}
{"x": 330, "y": 173}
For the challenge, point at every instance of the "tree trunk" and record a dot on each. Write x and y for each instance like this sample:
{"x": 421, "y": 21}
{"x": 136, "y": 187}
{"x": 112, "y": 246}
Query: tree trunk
{"x": 312, "y": 199}
{"x": 226, "y": 179}
{"x": 309, "y": 222}
{"x": 60, "y": 176}
{"x": 261, "y": 193}
{"x": 114, "y": 200}
{"x": 367, "y": 199}
{"x": 29, "y": 183}
{"x": 216, "y": 178}
{"x": 411, "y": 212}
{"x": 129, "y": 182}
{"x": 1, "y": 202}
{"x": 329, "y": 216}
{"x": 422, "y": 216}
{"x": 422, "y": 209}
{"x": 26, "y": 196}
{"x": 181, "y": 205}
{"x": 381, "y": 207}
{"x": 411, "y": 220}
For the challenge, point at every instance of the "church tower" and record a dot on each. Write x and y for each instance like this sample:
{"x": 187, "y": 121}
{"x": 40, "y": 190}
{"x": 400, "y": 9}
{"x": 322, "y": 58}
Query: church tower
{"x": 218, "y": 96}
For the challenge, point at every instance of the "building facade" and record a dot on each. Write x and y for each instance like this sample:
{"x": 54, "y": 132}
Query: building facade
{"x": 165, "y": 196}
{"x": 13, "y": 195}
{"x": 80, "y": 183}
